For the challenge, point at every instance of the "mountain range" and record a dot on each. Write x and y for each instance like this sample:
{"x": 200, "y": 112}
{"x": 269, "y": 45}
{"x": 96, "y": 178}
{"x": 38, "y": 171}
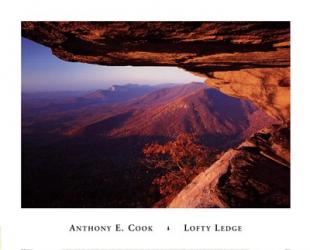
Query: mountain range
{"x": 99, "y": 136}
{"x": 167, "y": 112}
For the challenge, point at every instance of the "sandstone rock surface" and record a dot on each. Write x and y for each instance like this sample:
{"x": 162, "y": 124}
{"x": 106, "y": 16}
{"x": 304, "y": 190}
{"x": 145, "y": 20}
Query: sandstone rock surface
{"x": 252, "y": 175}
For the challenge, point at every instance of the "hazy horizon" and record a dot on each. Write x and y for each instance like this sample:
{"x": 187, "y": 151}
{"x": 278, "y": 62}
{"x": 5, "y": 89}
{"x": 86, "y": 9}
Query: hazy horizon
{"x": 44, "y": 72}
{"x": 104, "y": 88}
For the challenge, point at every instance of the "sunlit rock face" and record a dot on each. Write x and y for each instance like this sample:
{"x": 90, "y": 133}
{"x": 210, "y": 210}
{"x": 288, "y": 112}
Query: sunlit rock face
{"x": 244, "y": 59}
{"x": 268, "y": 88}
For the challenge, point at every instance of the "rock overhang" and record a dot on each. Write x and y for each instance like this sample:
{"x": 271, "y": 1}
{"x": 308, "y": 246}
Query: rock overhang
{"x": 249, "y": 60}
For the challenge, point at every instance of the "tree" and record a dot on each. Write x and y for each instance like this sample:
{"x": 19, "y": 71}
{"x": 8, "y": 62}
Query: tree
{"x": 177, "y": 162}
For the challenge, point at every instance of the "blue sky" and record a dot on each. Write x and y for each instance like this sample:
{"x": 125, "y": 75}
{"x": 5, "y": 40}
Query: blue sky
{"x": 42, "y": 71}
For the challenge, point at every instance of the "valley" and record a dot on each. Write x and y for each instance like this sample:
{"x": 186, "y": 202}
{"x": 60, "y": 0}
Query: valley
{"x": 88, "y": 150}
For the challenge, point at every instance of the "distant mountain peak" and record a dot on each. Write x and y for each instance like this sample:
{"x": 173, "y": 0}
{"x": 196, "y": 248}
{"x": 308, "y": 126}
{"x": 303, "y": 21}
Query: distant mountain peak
{"x": 127, "y": 87}
{"x": 200, "y": 83}
{"x": 112, "y": 88}
{"x": 97, "y": 94}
